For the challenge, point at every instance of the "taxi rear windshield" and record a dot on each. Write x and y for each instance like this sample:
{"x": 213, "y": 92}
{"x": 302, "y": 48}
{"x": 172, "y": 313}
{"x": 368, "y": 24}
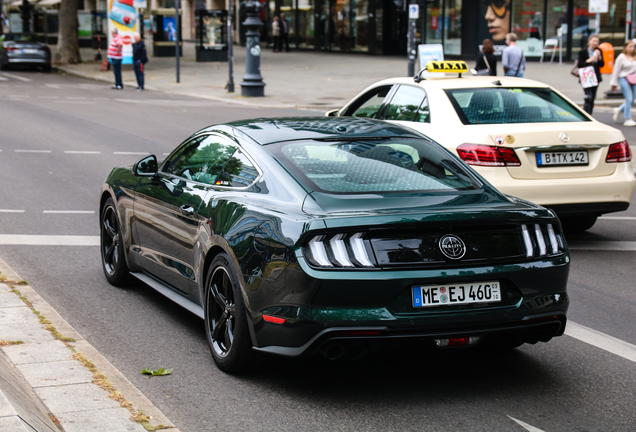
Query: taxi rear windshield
{"x": 374, "y": 166}
{"x": 512, "y": 105}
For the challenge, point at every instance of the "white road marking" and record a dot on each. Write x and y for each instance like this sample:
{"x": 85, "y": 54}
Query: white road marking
{"x": 603, "y": 245}
{"x": 3, "y": 78}
{"x": 76, "y": 97}
{"x": 48, "y": 97}
{"x": 11, "y": 211}
{"x": 130, "y": 153}
{"x": 601, "y": 340}
{"x": 55, "y": 86}
{"x": 77, "y": 102}
{"x": 618, "y": 217}
{"x": 32, "y": 151}
{"x": 69, "y": 211}
{"x": 526, "y": 426}
{"x": 81, "y": 152}
{"x": 48, "y": 240}
{"x": 18, "y": 77}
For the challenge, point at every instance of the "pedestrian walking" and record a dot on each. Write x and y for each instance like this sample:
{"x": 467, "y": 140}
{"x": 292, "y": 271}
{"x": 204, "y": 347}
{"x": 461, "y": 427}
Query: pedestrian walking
{"x": 115, "y": 56}
{"x": 276, "y": 33}
{"x": 512, "y": 59}
{"x": 486, "y": 62}
{"x": 624, "y": 75}
{"x": 591, "y": 56}
{"x": 140, "y": 58}
{"x": 284, "y": 33}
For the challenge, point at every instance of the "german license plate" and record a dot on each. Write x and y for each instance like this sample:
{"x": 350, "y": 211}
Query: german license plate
{"x": 445, "y": 295}
{"x": 578, "y": 157}
{"x": 29, "y": 51}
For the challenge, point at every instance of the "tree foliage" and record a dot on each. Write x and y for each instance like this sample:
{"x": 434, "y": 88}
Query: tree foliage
{"x": 68, "y": 39}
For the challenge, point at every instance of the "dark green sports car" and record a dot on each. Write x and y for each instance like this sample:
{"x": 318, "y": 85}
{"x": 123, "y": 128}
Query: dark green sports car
{"x": 337, "y": 236}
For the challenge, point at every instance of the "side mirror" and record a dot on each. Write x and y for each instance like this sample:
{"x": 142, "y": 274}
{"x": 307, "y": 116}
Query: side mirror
{"x": 146, "y": 167}
{"x": 333, "y": 113}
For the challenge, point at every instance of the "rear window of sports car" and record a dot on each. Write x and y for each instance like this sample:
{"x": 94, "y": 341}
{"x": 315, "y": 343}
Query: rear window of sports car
{"x": 391, "y": 165}
{"x": 512, "y": 105}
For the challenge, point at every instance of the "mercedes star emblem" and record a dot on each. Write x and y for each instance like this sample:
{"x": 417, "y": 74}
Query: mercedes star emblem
{"x": 452, "y": 246}
{"x": 564, "y": 137}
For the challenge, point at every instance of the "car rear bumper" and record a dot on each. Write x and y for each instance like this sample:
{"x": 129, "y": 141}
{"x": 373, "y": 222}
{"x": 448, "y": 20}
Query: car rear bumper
{"x": 29, "y": 60}
{"x": 603, "y": 194}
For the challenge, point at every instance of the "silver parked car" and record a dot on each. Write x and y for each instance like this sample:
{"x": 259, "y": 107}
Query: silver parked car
{"x": 24, "y": 49}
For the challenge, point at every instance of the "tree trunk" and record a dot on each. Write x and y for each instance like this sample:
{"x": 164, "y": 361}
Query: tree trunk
{"x": 68, "y": 39}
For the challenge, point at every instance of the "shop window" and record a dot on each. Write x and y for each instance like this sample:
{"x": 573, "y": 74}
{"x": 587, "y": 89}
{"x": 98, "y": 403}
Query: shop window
{"x": 527, "y": 24}
{"x": 453, "y": 27}
{"x": 433, "y": 25}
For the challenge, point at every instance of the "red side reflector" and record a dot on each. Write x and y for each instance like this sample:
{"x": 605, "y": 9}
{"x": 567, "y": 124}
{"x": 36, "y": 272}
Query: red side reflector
{"x": 485, "y": 155}
{"x": 274, "y": 320}
{"x": 619, "y": 152}
{"x": 458, "y": 341}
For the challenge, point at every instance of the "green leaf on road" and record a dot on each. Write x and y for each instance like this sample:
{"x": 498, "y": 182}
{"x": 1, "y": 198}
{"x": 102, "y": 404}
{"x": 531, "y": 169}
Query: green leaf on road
{"x": 157, "y": 372}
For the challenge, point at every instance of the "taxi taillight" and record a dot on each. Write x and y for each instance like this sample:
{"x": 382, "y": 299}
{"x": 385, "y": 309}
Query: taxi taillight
{"x": 619, "y": 152}
{"x": 485, "y": 155}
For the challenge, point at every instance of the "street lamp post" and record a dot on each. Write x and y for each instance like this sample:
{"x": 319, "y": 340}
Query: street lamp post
{"x": 252, "y": 84}
{"x": 230, "y": 48}
{"x": 25, "y": 14}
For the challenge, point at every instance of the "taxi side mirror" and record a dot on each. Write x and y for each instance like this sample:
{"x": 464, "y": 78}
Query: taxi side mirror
{"x": 332, "y": 113}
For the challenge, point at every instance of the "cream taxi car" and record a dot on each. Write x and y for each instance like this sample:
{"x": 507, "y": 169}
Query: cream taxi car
{"x": 523, "y": 136}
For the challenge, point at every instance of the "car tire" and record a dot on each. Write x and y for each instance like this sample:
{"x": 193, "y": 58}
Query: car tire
{"x": 46, "y": 68}
{"x": 4, "y": 66}
{"x": 226, "y": 326}
{"x": 112, "y": 247}
{"x": 579, "y": 223}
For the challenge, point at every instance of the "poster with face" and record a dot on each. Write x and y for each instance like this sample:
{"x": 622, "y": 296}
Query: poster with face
{"x": 495, "y": 22}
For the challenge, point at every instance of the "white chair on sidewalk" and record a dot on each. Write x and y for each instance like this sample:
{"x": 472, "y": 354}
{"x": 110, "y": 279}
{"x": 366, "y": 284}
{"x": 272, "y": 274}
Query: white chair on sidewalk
{"x": 552, "y": 46}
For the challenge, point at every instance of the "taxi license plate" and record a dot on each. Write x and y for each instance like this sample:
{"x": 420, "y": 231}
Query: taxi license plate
{"x": 578, "y": 157}
{"x": 453, "y": 294}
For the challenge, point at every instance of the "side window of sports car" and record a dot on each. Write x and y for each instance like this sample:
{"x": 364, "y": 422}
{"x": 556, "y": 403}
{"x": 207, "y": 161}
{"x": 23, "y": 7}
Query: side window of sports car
{"x": 408, "y": 104}
{"x": 368, "y": 106}
{"x": 238, "y": 172}
{"x": 201, "y": 159}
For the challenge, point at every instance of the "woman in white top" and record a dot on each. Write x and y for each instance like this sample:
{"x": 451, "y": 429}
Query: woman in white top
{"x": 276, "y": 33}
{"x": 625, "y": 65}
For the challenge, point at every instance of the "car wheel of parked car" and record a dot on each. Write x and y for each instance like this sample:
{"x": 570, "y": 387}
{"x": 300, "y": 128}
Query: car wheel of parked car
{"x": 112, "y": 248}
{"x": 46, "y": 68}
{"x": 4, "y": 66}
{"x": 225, "y": 318}
{"x": 578, "y": 223}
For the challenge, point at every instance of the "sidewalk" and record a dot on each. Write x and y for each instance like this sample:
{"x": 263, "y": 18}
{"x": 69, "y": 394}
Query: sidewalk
{"x": 299, "y": 79}
{"x": 52, "y": 380}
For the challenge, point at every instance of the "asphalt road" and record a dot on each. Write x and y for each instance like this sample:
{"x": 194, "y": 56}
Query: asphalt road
{"x": 59, "y": 138}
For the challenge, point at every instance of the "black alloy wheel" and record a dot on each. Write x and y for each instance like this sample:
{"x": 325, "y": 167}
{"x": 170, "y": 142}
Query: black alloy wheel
{"x": 225, "y": 318}
{"x": 112, "y": 248}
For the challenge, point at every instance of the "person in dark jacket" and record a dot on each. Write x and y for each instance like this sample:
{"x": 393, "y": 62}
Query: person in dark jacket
{"x": 487, "y": 59}
{"x": 591, "y": 56}
{"x": 139, "y": 60}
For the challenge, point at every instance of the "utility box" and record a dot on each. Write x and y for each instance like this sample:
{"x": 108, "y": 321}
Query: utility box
{"x": 608, "y": 55}
{"x": 212, "y": 40}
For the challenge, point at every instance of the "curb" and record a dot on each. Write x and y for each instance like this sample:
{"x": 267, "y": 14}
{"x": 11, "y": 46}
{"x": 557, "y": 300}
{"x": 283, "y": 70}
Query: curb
{"x": 85, "y": 415}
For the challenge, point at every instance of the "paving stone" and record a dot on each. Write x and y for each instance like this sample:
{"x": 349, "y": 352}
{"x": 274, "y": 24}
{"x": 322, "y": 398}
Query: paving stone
{"x": 13, "y": 424}
{"x": 28, "y": 332}
{"x": 75, "y": 397}
{"x": 17, "y": 315}
{"x": 6, "y": 409}
{"x": 50, "y": 351}
{"x": 9, "y": 299}
{"x": 55, "y": 373}
{"x": 4, "y": 288}
{"x": 108, "y": 420}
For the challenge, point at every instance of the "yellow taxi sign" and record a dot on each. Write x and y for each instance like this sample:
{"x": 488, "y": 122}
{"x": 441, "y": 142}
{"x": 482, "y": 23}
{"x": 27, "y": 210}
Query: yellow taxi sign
{"x": 447, "y": 66}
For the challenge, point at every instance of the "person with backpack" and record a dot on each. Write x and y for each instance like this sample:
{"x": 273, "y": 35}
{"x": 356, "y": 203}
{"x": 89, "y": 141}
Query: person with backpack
{"x": 140, "y": 58}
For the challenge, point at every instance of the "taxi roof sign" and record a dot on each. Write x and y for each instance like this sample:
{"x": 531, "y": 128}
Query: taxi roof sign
{"x": 447, "y": 66}
{"x": 459, "y": 67}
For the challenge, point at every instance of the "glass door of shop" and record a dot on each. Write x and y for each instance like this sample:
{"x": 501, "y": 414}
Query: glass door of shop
{"x": 335, "y": 25}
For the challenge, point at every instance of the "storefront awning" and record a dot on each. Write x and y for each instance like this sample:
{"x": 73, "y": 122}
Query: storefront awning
{"x": 48, "y": 2}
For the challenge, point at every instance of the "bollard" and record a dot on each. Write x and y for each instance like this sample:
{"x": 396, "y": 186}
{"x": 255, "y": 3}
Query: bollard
{"x": 252, "y": 84}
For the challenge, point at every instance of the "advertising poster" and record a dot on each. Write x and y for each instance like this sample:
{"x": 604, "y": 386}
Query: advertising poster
{"x": 494, "y": 22}
{"x": 123, "y": 16}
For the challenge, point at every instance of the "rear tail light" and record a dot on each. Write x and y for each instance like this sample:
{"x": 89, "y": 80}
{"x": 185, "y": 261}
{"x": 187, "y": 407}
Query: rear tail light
{"x": 11, "y": 48}
{"x": 485, "y": 155}
{"x": 619, "y": 152}
{"x": 46, "y": 49}
{"x": 338, "y": 251}
{"x": 541, "y": 240}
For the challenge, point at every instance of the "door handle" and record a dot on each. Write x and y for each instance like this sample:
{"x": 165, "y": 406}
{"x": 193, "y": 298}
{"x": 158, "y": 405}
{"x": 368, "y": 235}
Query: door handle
{"x": 186, "y": 209}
